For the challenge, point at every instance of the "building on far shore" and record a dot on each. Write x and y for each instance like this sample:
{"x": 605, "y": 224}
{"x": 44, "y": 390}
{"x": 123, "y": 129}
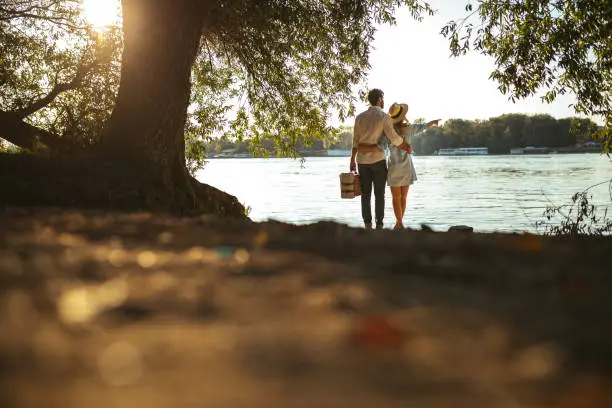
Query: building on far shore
{"x": 463, "y": 151}
{"x": 530, "y": 150}
{"x": 586, "y": 147}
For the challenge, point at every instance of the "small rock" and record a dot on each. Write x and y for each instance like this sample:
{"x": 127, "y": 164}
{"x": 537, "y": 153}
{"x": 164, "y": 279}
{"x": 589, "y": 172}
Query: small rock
{"x": 463, "y": 228}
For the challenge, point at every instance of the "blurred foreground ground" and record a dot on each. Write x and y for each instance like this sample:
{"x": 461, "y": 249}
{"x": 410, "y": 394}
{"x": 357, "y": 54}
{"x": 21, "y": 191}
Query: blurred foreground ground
{"x": 140, "y": 310}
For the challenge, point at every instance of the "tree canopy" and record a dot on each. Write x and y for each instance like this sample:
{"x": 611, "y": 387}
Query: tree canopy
{"x": 559, "y": 46}
{"x": 264, "y": 69}
{"x": 287, "y": 66}
{"x": 55, "y": 72}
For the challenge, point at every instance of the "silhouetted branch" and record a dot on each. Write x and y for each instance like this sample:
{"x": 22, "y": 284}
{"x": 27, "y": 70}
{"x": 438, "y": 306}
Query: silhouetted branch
{"x": 35, "y": 11}
{"x": 13, "y": 129}
{"x": 57, "y": 89}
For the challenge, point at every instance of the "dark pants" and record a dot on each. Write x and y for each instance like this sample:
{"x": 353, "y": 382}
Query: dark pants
{"x": 375, "y": 173}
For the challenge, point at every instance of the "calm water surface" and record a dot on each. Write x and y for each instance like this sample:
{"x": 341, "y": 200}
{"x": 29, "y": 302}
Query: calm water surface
{"x": 490, "y": 193}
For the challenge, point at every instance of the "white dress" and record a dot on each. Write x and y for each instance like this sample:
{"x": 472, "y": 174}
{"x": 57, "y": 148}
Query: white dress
{"x": 401, "y": 171}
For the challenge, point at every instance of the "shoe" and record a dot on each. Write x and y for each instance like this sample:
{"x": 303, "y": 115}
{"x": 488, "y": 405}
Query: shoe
{"x": 379, "y": 226}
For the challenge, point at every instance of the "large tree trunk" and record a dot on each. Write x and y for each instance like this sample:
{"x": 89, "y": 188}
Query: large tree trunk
{"x": 161, "y": 39}
{"x": 144, "y": 137}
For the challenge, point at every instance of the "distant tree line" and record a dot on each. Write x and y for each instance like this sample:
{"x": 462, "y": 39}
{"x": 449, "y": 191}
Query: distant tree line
{"x": 269, "y": 147}
{"x": 498, "y": 134}
{"x": 502, "y": 133}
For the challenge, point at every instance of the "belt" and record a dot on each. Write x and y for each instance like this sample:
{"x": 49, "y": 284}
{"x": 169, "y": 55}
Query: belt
{"x": 368, "y": 148}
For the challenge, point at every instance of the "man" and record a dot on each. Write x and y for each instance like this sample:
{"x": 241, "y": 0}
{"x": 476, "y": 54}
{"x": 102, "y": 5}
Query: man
{"x": 369, "y": 156}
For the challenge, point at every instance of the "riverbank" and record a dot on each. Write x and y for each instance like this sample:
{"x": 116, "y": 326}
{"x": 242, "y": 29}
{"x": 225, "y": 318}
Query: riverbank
{"x": 347, "y": 153}
{"x": 132, "y": 309}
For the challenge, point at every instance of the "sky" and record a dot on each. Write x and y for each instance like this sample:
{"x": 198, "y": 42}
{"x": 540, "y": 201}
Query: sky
{"x": 411, "y": 63}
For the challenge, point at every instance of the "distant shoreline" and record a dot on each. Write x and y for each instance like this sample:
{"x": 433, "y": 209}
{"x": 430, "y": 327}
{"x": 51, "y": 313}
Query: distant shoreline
{"x": 554, "y": 151}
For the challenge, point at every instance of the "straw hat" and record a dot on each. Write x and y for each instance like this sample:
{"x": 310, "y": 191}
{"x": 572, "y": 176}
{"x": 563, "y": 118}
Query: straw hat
{"x": 398, "y": 112}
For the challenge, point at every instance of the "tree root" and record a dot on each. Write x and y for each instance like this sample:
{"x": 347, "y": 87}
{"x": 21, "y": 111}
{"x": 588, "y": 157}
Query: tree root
{"x": 89, "y": 182}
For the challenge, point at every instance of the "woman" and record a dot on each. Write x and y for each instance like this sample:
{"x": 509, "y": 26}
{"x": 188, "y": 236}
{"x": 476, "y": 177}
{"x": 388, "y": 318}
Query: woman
{"x": 401, "y": 173}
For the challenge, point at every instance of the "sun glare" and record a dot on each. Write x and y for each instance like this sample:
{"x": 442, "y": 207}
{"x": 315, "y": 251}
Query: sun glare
{"x": 101, "y": 13}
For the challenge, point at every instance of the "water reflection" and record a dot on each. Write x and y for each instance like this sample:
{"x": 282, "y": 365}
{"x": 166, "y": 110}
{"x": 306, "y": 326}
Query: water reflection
{"x": 505, "y": 193}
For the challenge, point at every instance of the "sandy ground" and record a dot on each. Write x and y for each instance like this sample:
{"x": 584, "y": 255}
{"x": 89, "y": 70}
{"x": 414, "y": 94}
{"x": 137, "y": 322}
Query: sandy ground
{"x": 141, "y": 310}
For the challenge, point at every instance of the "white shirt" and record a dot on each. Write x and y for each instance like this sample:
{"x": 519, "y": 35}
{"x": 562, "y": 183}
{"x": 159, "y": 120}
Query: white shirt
{"x": 369, "y": 129}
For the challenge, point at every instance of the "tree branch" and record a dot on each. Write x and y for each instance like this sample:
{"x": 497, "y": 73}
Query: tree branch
{"x": 13, "y": 129}
{"x": 34, "y": 11}
{"x": 54, "y": 20}
{"x": 57, "y": 89}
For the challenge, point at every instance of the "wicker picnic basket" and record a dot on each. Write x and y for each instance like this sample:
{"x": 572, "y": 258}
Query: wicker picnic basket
{"x": 349, "y": 185}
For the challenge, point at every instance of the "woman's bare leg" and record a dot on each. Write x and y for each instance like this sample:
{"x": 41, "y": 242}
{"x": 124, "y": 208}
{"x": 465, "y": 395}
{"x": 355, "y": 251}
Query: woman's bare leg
{"x": 396, "y": 193}
{"x": 404, "y": 196}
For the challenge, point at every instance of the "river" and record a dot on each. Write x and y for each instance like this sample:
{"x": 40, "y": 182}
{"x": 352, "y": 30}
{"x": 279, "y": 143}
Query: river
{"x": 489, "y": 193}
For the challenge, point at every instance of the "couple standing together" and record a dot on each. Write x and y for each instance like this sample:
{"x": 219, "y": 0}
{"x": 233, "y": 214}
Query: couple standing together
{"x": 368, "y": 156}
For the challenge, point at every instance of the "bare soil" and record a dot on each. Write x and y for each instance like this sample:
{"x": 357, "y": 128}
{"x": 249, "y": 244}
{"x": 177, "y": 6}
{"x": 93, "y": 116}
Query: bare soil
{"x": 131, "y": 310}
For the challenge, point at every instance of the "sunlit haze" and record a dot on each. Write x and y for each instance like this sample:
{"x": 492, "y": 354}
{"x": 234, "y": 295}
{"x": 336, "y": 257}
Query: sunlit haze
{"x": 101, "y": 13}
{"x": 411, "y": 63}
